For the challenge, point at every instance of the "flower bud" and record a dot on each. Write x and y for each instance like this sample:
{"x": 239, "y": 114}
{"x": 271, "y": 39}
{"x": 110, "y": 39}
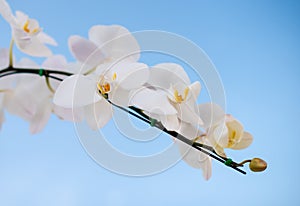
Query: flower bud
{"x": 257, "y": 165}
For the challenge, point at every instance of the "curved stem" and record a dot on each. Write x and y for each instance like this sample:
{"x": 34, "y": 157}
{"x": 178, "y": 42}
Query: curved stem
{"x": 11, "y": 45}
{"x": 45, "y": 72}
{"x": 136, "y": 112}
{"x": 244, "y": 162}
{"x": 90, "y": 71}
{"x": 49, "y": 85}
{"x": 208, "y": 150}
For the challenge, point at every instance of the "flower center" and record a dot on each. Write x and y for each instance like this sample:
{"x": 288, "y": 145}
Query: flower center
{"x": 103, "y": 88}
{"x": 178, "y": 97}
{"x": 104, "y": 85}
{"x": 232, "y": 137}
{"x": 27, "y": 30}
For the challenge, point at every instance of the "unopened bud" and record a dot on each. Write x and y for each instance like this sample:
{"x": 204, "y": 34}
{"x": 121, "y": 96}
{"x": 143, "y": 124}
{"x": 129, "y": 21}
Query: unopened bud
{"x": 257, "y": 165}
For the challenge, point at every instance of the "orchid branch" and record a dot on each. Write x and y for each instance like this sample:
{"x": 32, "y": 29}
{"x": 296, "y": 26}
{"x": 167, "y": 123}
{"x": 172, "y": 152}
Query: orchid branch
{"x": 99, "y": 79}
{"x": 136, "y": 112}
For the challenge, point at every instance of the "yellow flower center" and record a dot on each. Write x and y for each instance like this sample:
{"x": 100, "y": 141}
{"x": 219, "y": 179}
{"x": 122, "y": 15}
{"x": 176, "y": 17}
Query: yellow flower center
{"x": 178, "y": 97}
{"x": 104, "y": 86}
{"x": 27, "y": 30}
{"x": 233, "y": 138}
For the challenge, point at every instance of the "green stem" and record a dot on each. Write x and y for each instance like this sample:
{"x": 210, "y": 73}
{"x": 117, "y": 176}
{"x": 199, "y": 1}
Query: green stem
{"x": 11, "y": 45}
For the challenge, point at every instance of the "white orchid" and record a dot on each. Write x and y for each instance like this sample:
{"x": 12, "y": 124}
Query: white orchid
{"x": 26, "y": 32}
{"x": 109, "y": 57}
{"x": 223, "y": 130}
{"x": 88, "y": 91}
{"x": 169, "y": 97}
{"x": 106, "y": 44}
{"x": 31, "y": 99}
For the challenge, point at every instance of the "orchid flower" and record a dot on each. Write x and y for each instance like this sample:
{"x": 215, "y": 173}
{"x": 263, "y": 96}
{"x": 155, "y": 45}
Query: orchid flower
{"x": 109, "y": 61}
{"x": 169, "y": 97}
{"x": 223, "y": 130}
{"x": 91, "y": 91}
{"x": 26, "y": 32}
{"x": 31, "y": 98}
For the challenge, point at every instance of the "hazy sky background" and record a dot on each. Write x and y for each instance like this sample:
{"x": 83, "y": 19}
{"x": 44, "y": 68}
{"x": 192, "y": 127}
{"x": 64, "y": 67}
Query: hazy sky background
{"x": 255, "y": 47}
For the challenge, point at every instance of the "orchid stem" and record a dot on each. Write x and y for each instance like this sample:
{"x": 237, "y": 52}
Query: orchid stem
{"x": 10, "y": 70}
{"x": 208, "y": 150}
{"x": 136, "y": 112}
{"x": 11, "y": 46}
{"x": 49, "y": 85}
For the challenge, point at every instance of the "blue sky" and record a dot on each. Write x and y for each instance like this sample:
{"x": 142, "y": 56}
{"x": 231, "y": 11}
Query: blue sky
{"x": 255, "y": 48}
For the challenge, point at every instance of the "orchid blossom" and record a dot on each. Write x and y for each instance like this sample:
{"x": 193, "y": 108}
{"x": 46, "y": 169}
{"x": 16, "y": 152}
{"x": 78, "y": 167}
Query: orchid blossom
{"x": 169, "y": 83}
{"x": 113, "y": 72}
{"x": 31, "y": 98}
{"x": 223, "y": 130}
{"x": 26, "y": 32}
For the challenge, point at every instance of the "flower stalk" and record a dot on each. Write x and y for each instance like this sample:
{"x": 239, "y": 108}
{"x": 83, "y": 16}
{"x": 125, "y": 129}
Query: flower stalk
{"x": 256, "y": 164}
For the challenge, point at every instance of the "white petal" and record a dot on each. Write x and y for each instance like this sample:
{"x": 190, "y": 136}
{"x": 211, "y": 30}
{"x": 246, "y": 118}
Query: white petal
{"x": 6, "y": 13}
{"x": 195, "y": 90}
{"x": 45, "y": 38}
{"x": 219, "y": 150}
{"x": 245, "y": 141}
{"x": 188, "y": 130}
{"x": 167, "y": 74}
{"x": 55, "y": 62}
{"x": 98, "y": 114}
{"x": 207, "y": 169}
{"x": 4, "y": 58}
{"x": 74, "y": 114}
{"x": 120, "y": 96}
{"x": 76, "y": 91}
{"x": 132, "y": 76}
{"x": 16, "y": 106}
{"x": 211, "y": 114}
{"x": 77, "y": 67}
{"x": 27, "y": 63}
{"x": 188, "y": 114}
{"x": 221, "y": 135}
{"x": 170, "y": 122}
{"x": 8, "y": 82}
{"x": 21, "y": 18}
{"x": 30, "y": 45}
{"x": 41, "y": 117}
{"x": 115, "y": 41}
{"x": 85, "y": 51}
{"x": 152, "y": 101}
{"x": 192, "y": 156}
